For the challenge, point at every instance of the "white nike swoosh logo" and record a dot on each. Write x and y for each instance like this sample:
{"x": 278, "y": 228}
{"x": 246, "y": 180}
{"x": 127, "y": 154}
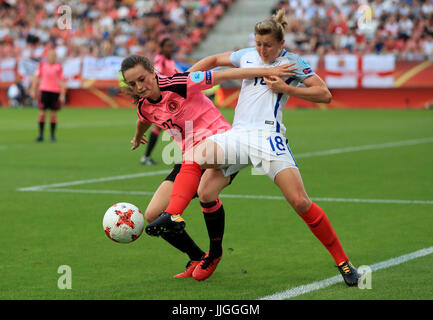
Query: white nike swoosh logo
{"x": 173, "y": 218}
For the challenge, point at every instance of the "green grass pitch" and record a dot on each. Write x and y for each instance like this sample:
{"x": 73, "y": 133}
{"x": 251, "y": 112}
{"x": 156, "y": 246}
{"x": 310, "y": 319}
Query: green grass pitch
{"x": 378, "y": 155}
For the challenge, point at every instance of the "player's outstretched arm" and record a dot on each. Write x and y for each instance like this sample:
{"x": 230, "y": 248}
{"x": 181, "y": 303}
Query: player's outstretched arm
{"x": 208, "y": 63}
{"x": 285, "y": 70}
{"x": 139, "y": 134}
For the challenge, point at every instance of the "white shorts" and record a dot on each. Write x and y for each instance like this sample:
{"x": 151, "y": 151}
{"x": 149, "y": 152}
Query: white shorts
{"x": 268, "y": 152}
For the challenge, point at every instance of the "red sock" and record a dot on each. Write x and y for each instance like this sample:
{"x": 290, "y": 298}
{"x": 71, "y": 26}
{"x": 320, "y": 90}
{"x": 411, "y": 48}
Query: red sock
{"x": 184, "y": 188}
{"x": 319, "y": 224}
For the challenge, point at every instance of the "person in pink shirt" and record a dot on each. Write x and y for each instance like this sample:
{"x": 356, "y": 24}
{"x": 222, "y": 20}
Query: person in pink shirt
{"x": 178, "y": 105}
{"x": 164, "y": 65}
{"x": 163, "y": 62}
{"x": 49, "y": 86}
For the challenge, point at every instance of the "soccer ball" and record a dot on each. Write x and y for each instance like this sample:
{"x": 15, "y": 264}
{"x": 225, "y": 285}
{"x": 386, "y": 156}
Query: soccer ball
{"x": 123, "y": 222}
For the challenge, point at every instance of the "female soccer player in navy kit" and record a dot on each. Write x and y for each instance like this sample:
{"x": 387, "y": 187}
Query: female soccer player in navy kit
{"x": 258, "y": 135}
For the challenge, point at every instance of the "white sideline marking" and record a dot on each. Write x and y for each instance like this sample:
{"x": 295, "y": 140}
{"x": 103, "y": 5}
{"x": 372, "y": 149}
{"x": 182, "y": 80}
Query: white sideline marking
{"x": 297, "y": 291}
{"x": 74, "y": 183}
{"x": 96, "y": 124}
{"x": 375, "y": 200}
{"x": 73, "y": 125}
{"x": 137, "y": 193}
{"x": 228, "y": 196}
{"x": 52, "y": 187}
{"x": 365, "y": 147}
{"x": 239, "y": 196}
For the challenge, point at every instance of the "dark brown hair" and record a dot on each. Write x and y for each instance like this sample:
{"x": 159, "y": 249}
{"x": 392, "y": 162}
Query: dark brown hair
{"x": 136, "y": 59}
{"x": 129, "y": 63}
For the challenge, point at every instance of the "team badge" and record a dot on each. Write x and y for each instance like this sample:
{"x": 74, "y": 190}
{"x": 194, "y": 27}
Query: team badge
{"x": 307, "y": 70}
{"x": 197, "y": 76}
{"x": 172, "y": 106}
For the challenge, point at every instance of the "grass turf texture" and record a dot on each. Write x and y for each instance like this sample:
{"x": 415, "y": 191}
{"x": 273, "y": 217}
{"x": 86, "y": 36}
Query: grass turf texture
{"x": 267, "y": 247}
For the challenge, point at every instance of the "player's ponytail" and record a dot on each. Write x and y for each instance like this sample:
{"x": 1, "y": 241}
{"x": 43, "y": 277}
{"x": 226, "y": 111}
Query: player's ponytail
{"x": 274, "y": 26}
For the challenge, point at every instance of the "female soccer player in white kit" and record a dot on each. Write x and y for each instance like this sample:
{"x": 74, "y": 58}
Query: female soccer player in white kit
{"x": 258, "y": 137}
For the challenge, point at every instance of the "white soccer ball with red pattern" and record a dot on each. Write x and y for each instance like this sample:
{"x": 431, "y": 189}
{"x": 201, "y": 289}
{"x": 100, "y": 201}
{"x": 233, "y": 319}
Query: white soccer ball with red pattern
{"x": 123, "y": 222}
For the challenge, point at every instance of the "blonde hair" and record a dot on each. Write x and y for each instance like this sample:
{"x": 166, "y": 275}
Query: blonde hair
{"x": 274, "y": 26}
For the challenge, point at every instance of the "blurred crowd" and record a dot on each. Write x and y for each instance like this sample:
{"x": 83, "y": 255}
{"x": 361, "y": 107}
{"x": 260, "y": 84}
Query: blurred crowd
{"x": 29, "y": 28}
{"x": 400, "y": 27}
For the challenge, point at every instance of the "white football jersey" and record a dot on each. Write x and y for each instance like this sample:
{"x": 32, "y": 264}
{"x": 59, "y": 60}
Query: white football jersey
{"x": 258, "y": 107}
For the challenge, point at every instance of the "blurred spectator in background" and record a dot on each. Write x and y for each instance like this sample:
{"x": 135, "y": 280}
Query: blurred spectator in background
{"x": 123, "y": 27}
{"x": 400, "y": 27}
{"x": 16, "y": 94}
{"x": 107, "y": 27}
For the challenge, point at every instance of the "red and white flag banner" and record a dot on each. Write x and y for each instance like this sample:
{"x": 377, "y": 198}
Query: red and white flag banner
{"x": 353, "y": 71}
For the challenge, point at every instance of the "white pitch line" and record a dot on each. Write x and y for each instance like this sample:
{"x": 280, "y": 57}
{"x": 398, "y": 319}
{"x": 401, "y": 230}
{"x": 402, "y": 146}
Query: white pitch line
{"x": 137, "y": 193}
{"x": 229, "y": 196}
{"x": 74, "y": 183}
{"x": 241, "y": 196}
{"x": 74, "y": 125}
{"x": 96, "y": 124}
{"x": 365, "y": 147}
{"x": 301, "y": 155}
{"x": 303, "y": 289}
{"x": 374, "y": 200}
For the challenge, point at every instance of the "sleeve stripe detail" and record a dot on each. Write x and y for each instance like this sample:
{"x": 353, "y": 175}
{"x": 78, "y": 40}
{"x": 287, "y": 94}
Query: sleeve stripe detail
{"x": 177, "y": 76}
{"x": 176, "y": 83}
{"x": 164, "y": 83}
{"x": 173, "y": 80}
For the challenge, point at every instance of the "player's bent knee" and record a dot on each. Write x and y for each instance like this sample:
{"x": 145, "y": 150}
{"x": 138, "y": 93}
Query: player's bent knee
{"x": 207, "y": 192}
{"x": 211, "y": 185}
{"x": 206, "y": 196}
{"x": 300, "y": 203}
